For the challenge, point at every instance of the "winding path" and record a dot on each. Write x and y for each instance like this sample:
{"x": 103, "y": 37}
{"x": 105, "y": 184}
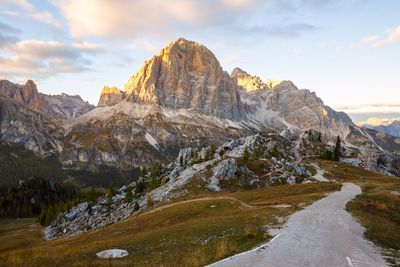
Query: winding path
{"x": 322, "y": 234}
{"x": 231, "y": 199}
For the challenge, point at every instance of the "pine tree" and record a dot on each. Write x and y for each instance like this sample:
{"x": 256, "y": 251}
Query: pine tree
{"x": 111, "y": 189}
{"x": 91, "y": 197}
{"x": 143, "y": 172}
{"x": 336, "y": 152}
{"x": 128, "y": 196}
{"x": 136, "y": 206}
{"x": 245, "y": 154}
{"x": 212, "y": 150}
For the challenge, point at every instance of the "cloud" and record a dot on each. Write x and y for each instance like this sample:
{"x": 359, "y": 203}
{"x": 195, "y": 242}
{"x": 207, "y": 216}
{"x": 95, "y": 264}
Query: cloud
{"x": 44, "y": 17}
{"x": 393, "y": 36}
{"x": 42, "y": 50}
{"x": 7, "y": 34}
{"x": 24, "y": 4}
{"x": 323, "y": 44}
{"x": 9, "y": 29}
{"x": 36, "y": 58}
{"x": 364, "y": 41}
{"x": 297, "y": 51}
{"x": 15, "y": 66}
{"x": 229, "y": 60}
{"x": 128, "y": 19}
{"x": 291, "y": 30}
{"x": 90, "y": 47}
{"x": 371, "y": 108}
{"x": 283, "y": 31}
{"x": 143, "y": 44}
{"x": 339, "y": 49}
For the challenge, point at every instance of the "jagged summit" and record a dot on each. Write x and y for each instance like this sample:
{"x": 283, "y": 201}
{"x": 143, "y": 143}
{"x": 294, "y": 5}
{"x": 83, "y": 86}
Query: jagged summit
{"x": 253, "y": 83}
{"x": 186, "y": 75}
{"x": 110, "y": 96}
{"x": 248, "y": 82}
{"x": 60, "y": 106}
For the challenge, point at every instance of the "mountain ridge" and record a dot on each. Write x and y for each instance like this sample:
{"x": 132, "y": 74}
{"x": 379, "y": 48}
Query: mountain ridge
{"x": 183, "y": 98}
{"x": 62, "y": 106}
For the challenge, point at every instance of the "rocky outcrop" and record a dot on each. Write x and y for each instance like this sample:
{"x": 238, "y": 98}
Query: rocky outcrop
{"x": 21, "y": 125}
{"x": 194, "y": 170}
{"x": 186, "y": 75}
{"x": 110, "y": 96}
{"x": 63, "y": 106}
{"x": 248, "y": 82}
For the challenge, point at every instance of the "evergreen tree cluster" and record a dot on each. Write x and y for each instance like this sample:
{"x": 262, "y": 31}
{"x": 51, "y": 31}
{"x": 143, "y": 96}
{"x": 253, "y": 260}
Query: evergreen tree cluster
{"x": 335, "y": 155}
{"x": 36, "y": 196}
{"x": 18, "y": 163}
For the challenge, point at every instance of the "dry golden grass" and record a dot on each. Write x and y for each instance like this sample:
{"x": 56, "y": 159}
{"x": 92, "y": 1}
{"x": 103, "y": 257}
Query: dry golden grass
{"x": 188, "y": 234}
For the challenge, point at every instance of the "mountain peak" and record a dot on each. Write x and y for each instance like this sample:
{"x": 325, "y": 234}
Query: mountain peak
{"x": 110, "y": 96}
{"x": 185, "y": 75}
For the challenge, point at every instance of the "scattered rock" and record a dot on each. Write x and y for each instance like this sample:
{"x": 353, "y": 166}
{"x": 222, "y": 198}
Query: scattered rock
{"x": 112, "y": 254}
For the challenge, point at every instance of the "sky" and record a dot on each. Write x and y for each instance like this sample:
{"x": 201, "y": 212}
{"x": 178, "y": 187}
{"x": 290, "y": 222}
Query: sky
{"x": 347, "y": 51}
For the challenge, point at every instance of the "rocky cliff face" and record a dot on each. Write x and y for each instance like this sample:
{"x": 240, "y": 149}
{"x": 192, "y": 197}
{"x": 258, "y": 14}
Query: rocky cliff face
{"x": 248, "y": 82}
{"x": 35, "y": 130}
{"x": 182, "y": 97}
{"x": 186, "y": 75}
{"x": 61, "y": 106}
{"x": 110, "y": 96}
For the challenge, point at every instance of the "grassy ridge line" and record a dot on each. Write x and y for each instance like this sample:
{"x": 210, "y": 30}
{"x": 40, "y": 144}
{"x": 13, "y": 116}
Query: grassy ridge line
{"x": 189, "y": 234}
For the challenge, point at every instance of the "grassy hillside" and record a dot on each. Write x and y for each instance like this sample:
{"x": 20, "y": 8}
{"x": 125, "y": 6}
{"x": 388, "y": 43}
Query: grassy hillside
{"x": 186, "y": 234}
{"x": 197, "y": 230}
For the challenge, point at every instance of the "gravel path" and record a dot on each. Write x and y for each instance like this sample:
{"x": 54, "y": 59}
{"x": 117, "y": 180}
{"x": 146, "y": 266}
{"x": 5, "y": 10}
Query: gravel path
{"x": 323, "y": 234}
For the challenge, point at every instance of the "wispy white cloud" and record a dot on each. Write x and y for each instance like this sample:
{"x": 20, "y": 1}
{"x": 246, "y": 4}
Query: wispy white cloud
{"x": 323, "y": 44}
{"x": 24, "y": 4}
{"x": 364, "y": 41}
{"x": 36, "y": 58}
{"x": 143, "y": 44}
{"x": 127, "y": 19}
{"x": 229, "y": 60}
{"x": 339, "y": 49}
{"x": 90, "y": 47}
{"x": 297, "y": 51}
{"x": 30, "y": 12}
{"x": 393, "y": 36}
{"x": 371, "y": 108}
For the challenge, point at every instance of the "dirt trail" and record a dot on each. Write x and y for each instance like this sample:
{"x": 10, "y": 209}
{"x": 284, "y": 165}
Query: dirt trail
{"x": 231, "y": 199}
{"x": 322, "y": 234}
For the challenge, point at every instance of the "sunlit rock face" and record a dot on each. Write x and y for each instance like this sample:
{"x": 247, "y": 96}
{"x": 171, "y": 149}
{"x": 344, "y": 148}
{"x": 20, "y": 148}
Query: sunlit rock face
{"x": 186, "y": 75}
{"x": 110, "y": 96}
{"x": 61, "y": 106}
{"x": 246, "y": 81}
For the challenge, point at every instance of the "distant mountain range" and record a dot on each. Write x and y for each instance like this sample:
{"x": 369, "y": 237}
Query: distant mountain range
{"x": 390, "y": 126}
{"x": 179, "y": 98}
{"x": 61, "y": 106}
